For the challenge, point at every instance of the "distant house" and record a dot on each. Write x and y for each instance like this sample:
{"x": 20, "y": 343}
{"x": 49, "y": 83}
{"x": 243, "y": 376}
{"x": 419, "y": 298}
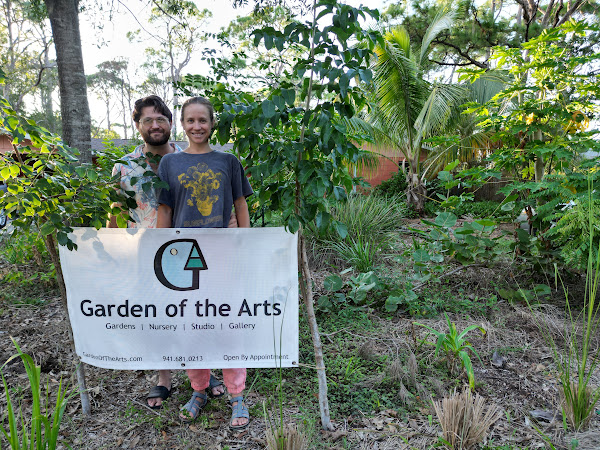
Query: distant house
{"x": 389, "y": 163}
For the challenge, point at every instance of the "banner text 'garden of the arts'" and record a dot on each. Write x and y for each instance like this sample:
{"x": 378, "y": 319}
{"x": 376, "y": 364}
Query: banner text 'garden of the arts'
{"x": 188, "y": 298}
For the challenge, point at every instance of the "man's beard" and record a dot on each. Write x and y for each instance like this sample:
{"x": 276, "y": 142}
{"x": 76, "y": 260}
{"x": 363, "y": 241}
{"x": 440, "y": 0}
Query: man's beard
{"x": 156, "y": 142}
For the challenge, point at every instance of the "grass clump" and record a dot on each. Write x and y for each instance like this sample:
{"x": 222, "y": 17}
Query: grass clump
{"x": 369, "y": 220}
{"x": 40, "y": 431}
{"x": 464, "y": 419}
{"x": 577, "y": 356}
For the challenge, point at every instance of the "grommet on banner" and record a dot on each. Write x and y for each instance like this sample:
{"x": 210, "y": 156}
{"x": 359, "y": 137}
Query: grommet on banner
{"x": 177, "y": 232}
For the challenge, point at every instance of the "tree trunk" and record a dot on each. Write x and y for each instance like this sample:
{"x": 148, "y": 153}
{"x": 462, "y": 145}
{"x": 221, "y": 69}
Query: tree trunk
{"x": 416, "y": 193}
{"x": 75, "y": 110}
{"x": 307, "y": 296}
{"x": 80, "y": 370}
{"x": 306, "y": 280}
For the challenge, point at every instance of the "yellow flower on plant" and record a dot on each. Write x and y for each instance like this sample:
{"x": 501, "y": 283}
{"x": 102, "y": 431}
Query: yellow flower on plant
{"x": 530, "y": 118}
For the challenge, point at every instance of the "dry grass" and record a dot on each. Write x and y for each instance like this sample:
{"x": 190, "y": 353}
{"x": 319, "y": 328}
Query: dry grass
{"x": 288, "y": 438}
{"x": 464, "y": 419}
{"x": 413, "y": 368}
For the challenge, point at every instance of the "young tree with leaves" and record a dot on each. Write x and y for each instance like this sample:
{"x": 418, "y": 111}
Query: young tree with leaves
{"x": 295, "y": 141}
{"x": 48, "y": 194}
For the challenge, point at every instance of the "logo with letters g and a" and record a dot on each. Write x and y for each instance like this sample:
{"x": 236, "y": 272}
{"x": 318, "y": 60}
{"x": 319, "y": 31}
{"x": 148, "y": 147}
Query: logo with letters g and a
{"x": 178, "y": 263}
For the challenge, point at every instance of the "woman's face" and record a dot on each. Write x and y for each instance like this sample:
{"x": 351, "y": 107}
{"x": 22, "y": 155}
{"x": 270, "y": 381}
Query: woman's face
{"x": 196, "y": 123}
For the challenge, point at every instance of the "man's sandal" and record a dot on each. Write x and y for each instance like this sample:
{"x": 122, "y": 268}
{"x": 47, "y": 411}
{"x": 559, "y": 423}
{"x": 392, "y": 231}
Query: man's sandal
{"x": 161, "y": 392}
{"x": 238, "y": 411}
{"x": 214, "y": 383}
{"x": 191, "y": 410}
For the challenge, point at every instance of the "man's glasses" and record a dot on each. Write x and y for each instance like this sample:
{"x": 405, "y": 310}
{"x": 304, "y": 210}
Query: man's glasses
{"x": 158, "y": 120}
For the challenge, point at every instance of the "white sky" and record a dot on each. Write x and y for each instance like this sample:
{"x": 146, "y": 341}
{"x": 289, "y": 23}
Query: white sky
{"x": 110, "y": 42}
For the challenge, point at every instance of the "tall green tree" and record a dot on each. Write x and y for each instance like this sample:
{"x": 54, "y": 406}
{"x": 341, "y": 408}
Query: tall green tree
{"x": 177, "y": 28}
{"x": 24, "y": 53}
{"x": 406, "y": 108}
{"x": 111, "y": 86}
{"x": 481, "y": 25}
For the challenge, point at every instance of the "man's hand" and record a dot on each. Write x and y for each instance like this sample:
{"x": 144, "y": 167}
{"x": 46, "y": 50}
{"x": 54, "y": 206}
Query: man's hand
{"x": 233, "y": 223}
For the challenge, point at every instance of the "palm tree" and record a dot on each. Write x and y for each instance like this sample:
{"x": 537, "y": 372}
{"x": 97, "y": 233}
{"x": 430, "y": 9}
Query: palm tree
{"x": 406, "y": 107}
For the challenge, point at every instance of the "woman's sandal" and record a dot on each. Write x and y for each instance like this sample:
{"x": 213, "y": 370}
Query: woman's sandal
{"x": 191, "y": 410}
{"x": 213, "y": 383}
{"x": 239, "y": 410}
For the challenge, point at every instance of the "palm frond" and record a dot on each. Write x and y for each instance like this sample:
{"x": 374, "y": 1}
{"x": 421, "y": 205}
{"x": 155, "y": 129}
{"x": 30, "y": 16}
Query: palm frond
{"x": 437, "y": 110}
{"x": 442, "y": 21}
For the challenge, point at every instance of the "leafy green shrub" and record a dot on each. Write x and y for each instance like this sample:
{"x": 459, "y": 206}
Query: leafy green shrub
{"x": 23, "y": 247}
{"x": 394, "y": 186}
{"x": 572, "y": 233}
{"x": 111, "y": 153}
{"x": 479, "y": 210}
{"x": 352, "y": 293}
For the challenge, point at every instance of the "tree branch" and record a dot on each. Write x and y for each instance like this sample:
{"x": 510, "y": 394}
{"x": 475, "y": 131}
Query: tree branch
{"x": 570, "y": 12}
{"x": 462, "y": 54}
{"x": 442, "y": 63}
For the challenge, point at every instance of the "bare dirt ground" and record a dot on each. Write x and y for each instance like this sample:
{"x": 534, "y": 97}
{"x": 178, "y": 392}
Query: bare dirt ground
{"x": 392, "y": 362}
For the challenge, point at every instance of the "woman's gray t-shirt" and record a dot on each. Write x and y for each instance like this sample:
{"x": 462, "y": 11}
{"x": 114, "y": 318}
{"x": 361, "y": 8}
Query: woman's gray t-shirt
{"x": 202, "y": 187}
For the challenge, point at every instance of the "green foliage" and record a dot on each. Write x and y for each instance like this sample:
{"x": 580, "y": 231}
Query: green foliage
{"x": 433, "y": 301}
{"x": 556, "y": 241}
{"x": 293, "y": 140}
{"x": 369, "y": 222}
{"x": 48, "y": 191}
{"x": 572, "y": 233}
{"x": 40, "y": 432}
{"x": 112, "y": 153}
{"x": 22, "y": 247}
{"x": 456, "y": 346}
{"x": 541, "y": 123}
{"x": 359, "y": 253}
{"x": 470, "y": 243}
{"x": 525, "y": 295}
{"x": 395, "y": 186}
{"x": 473, "y": 242}
{"x": 353, "y": 292}
{"x": 576, "y": 356}
{"x": 478, "y": 210}
{"x": 31, "y": 277}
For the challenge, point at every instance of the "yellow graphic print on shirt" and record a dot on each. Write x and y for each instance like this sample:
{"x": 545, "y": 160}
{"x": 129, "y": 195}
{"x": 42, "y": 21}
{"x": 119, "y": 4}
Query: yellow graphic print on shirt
{"x": 202, "y": 181}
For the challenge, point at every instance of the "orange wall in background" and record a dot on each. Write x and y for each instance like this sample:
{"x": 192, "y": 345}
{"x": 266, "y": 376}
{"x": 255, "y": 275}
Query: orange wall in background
{"x": 5, "y": 145}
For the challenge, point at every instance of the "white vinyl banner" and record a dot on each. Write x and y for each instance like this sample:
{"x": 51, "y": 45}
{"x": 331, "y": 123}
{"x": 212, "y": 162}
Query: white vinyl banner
{"x": 183, "y": 298}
